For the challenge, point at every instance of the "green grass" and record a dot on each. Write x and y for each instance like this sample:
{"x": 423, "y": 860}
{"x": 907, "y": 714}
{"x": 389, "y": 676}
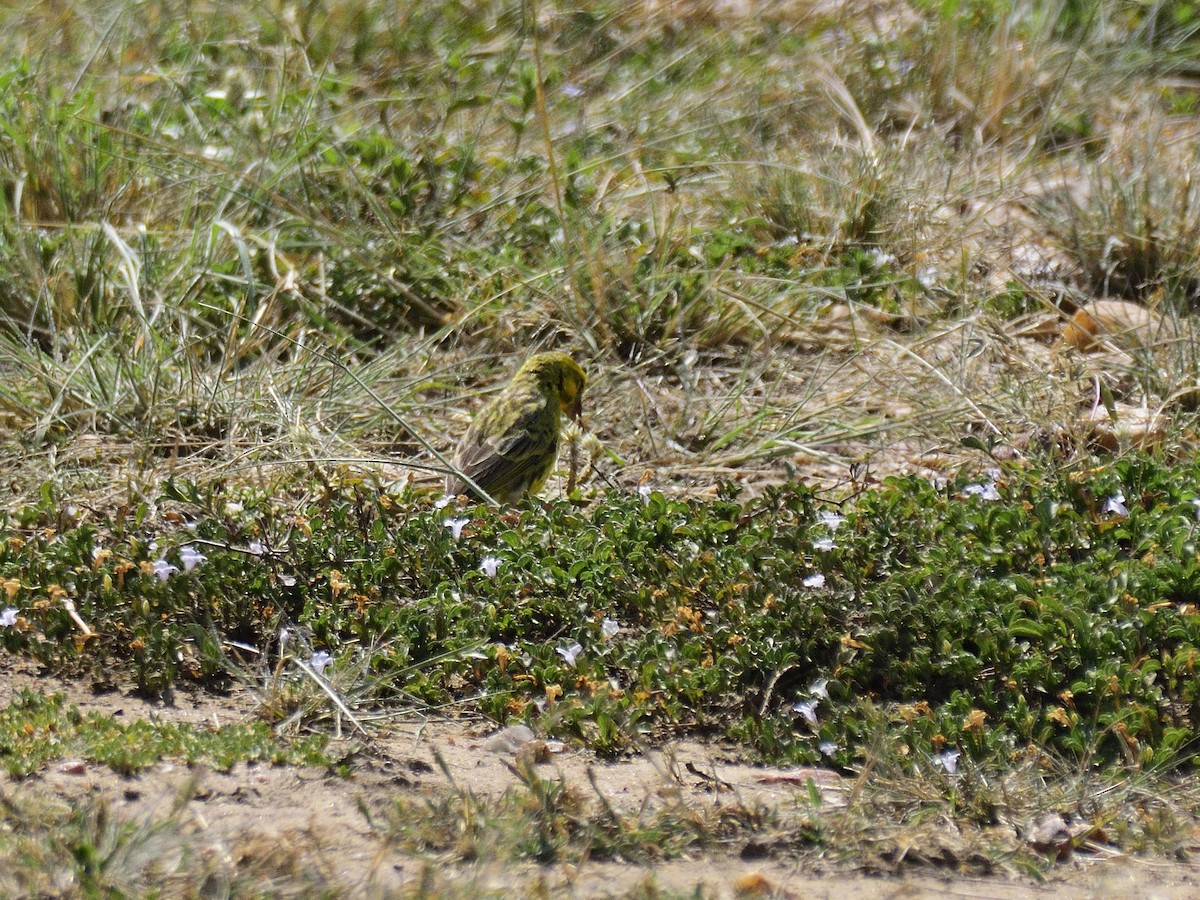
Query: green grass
{"x": 36, "y": 730}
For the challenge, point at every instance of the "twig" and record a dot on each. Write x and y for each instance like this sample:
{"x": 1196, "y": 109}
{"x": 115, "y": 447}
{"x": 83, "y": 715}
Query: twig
{"x": 69, "y": 606}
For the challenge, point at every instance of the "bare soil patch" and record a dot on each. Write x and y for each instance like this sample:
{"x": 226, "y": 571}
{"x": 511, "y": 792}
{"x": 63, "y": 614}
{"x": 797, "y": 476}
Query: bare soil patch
{"x": 306, "y": 823}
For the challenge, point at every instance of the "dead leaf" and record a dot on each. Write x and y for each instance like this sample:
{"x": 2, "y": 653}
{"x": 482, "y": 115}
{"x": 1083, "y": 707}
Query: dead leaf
{"x": 1119, "y": 322}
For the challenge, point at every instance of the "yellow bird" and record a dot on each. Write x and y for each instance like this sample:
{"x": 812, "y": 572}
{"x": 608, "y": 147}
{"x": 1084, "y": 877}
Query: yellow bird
{"x": 512, "y": 444}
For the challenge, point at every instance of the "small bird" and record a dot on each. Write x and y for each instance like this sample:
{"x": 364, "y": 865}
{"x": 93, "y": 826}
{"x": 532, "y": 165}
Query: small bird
{"x": 512, "y": 444}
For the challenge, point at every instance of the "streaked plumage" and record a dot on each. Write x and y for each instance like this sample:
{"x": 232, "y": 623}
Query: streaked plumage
{"x": 512, "y": 444}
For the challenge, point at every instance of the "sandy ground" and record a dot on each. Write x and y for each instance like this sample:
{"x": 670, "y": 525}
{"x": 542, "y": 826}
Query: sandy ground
{"x": 268, "y": 818}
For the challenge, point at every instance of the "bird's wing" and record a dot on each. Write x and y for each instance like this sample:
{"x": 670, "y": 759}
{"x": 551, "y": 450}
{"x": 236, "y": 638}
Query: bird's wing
{"x": 501, "y": 456}
{"x": 482, "y": 458}
{"x": 483, "y": 462}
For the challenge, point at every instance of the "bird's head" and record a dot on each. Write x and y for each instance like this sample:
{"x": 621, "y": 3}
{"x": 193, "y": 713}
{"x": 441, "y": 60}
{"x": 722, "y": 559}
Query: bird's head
{"x": 561, "y": 377}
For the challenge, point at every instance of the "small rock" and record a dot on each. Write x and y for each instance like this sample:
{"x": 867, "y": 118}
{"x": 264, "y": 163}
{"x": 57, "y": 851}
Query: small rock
{"x": 1134, "y": 426}
{"x": 509, "y": 740}
{"x": 1051, "y": 835}
{"x": 752, "y": 884}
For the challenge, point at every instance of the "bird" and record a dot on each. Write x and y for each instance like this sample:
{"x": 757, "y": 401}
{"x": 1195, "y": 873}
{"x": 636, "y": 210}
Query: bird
{"x": 511, "y": 446}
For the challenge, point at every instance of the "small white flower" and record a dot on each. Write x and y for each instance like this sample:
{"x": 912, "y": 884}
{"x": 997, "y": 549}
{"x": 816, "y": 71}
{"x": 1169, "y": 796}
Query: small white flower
{"x": 320, "y": 661}
{"x": 163, "y": 569}
{"x": 819, "y": 688}
{"x": 233, "y": 508}
{"x": 287, "y": 580}
{"x": 982, "y": 491}
{"x": 830, "y": 520}
{"x": 8, "y": 618}
{"x": 609, "y": 629}
{"x": 456, "y": 526}
{"x": 570, "y": 653}
{"x": 443, "y": 502}
{"x": 489, "y": 565}
{"x": 190, "y": 557}
{"x": 927, "y": 277}
{"x": 1116, "y": 505}
{"x": 807, "y": 709}
{"x": 645, "y": 491}
{"x": 881, "y": 258}
{"x": 947, "y": 761}
{"x": 824, "y": 544}
{"x": 827, "y": 748}
{"x": 814, "y": 581}
{"x": 257, "y": 548}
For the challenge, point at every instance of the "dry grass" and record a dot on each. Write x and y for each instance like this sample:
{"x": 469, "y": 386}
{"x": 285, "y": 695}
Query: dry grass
{"x": 956, "y": 162}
